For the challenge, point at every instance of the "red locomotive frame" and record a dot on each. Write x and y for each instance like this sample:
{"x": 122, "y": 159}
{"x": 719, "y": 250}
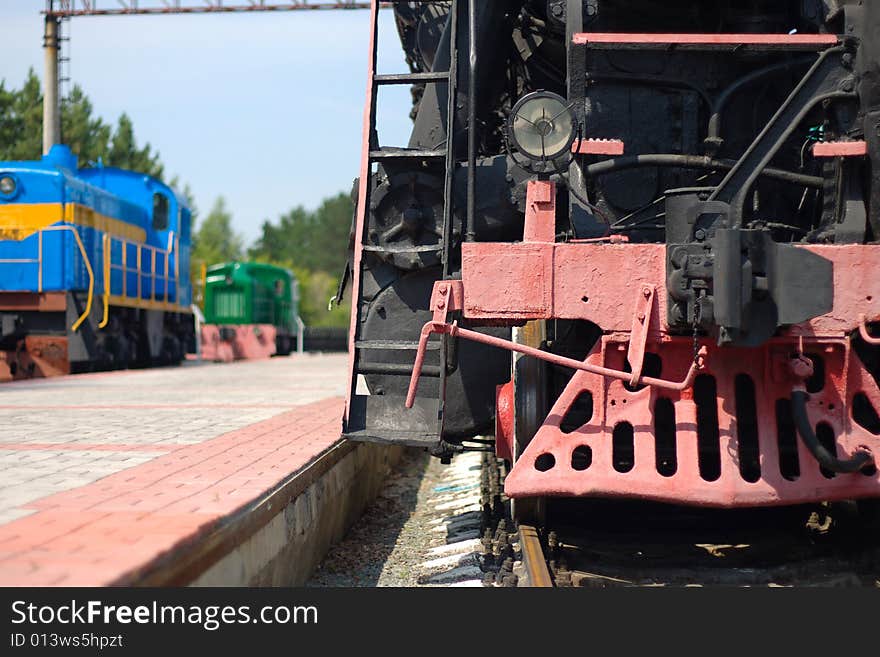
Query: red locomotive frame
{"x": 614, "y": 284}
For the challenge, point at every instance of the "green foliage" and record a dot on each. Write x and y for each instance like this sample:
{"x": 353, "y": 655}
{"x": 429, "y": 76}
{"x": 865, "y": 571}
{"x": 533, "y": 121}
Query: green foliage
{"x": 87, "y": 135}
{"x": 125, "y": 154}
{"x": 21, "y": 120}
{"x": 315, "y": 290}
{"x": 21, "y": 130}
{"x": 314, "y": 245}
{"x": 310, "y": 240}
{"x": 186, "y": 191}
{"x": 215, "y": 240}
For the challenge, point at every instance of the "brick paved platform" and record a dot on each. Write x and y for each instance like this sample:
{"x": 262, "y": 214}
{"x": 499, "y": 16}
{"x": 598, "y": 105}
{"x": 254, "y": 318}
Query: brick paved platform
{"x": 101, "y": 474}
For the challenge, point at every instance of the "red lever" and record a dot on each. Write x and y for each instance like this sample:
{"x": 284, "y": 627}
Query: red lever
{"x": 454, "y": 330}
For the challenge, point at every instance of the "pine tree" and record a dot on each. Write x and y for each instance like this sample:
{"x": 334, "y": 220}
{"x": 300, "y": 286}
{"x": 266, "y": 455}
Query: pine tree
{"x": 86, "y": 135}
{"x": 8, "y": 129}
{"x": 21, "y": 121}
{"x": 125, "y": 154}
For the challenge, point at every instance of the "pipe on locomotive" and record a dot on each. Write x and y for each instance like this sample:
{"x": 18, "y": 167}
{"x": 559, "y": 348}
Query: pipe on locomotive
{"x": 470, "y": 234}
{"x": 714, "y": 135}
{"x": 693, "y": 162}
{"x": 826, "y": 459}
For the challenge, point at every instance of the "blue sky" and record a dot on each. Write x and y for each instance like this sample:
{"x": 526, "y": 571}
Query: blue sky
{"x": 263, "y": 109}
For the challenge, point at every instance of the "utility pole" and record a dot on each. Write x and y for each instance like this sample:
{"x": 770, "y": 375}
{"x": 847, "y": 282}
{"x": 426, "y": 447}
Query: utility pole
{"x": 51, "y": 102}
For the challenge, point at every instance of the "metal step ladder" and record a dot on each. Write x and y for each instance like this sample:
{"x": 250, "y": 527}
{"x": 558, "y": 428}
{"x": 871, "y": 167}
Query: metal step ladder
{"x": 384, "y": 418}
{"x": 64, "y": 74}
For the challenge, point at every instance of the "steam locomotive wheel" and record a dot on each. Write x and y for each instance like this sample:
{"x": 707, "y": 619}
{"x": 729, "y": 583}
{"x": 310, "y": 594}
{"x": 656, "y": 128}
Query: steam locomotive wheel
{"x": 530, "y": 407}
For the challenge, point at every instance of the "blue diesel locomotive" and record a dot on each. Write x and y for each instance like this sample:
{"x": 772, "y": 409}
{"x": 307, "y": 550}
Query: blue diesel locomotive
{"x": 94, "y": 269}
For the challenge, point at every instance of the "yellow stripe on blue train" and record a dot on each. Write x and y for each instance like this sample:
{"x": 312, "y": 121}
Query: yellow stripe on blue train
{"x": 94, "y": 268}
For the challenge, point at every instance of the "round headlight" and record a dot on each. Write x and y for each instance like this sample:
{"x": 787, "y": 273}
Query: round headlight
{"x": 7, "y": 185}
{"x": 542, "y": 126}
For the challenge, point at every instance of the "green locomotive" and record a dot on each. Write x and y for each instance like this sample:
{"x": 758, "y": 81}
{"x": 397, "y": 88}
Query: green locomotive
{"x": 251, "y": 311}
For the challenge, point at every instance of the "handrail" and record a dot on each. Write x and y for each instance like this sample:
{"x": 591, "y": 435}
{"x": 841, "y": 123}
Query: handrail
{"x": 106, "y": 318}
{"x": 39, "y": 262}
{"x": 107, "y": 243}
{"x": 300, "y": 334}
{"x": 155, "y": 251}
{"x": 82, "y": 249}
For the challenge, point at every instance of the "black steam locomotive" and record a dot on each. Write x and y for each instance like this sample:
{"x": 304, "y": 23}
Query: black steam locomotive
{"x": 638, "y": 237}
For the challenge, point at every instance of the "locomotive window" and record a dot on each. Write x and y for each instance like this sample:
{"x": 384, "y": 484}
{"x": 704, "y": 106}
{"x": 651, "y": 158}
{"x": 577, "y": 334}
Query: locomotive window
{"x": 279, "y": 287}
{"x": 160, "y": 211}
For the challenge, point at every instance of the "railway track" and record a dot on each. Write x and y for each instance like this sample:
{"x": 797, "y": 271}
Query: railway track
{"x": 596, "y": 562}
{"x": 605, "y": 543}
{"x": 441, "y": 526}
{"x": 534, "y": 564}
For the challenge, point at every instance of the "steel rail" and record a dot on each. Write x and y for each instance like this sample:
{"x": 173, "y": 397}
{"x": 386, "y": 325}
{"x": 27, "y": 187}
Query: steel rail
{"x": 538, "y": 574}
